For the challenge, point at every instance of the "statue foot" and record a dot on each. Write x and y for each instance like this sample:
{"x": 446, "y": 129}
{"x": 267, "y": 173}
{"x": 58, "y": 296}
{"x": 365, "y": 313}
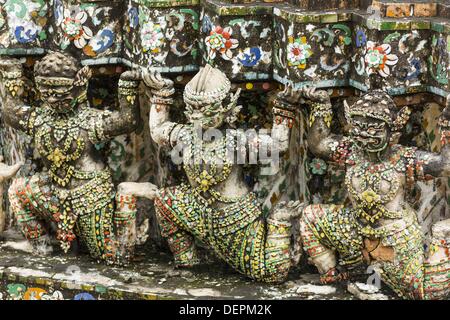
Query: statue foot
{"x": 7, "y": 172}
{"x": 441, "y": 229}
{"x": 333, "y": 275}
{"x": 296, "y": 252}
{"x": 138, "y": 189}
{"x": 142, "y": 232}
{"x": 42, "y": 246}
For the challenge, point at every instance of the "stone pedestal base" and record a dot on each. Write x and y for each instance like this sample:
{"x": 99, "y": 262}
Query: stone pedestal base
{"x": 152, "y": 276}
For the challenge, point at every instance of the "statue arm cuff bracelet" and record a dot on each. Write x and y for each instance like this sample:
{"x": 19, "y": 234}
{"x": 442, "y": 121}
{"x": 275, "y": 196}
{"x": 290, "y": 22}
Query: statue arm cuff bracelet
{"x": 321, "y": 106}
{"x": 282, "y": 104}
{"x": 12, "y": 74}
{"x": 283, "y": 113}
{"x": 127, "y": 91}
{"x": 321, "y": 110}
{"x": 130, "y": 84}
{"x": 160, "y": 100}
{"x": 164, "y": 92}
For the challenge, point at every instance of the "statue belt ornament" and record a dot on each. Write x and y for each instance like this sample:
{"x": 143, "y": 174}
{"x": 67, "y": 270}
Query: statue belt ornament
{"x": 85, "y": 199}
{"x": 392, "y": 229}
{"x": 321, "y": 110}
{"x": 191, "y": 208}
{"x": 371, "y": 202}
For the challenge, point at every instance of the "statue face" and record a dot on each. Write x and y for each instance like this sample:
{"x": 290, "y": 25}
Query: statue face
{"x": 370, "y": 134}
{"x": 59, "y": 98}
{"x": 210, "y": 117}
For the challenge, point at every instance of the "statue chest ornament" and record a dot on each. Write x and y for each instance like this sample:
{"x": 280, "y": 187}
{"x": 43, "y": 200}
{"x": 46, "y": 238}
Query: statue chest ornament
{"x": 374, "y": 185}
{"x": 207, "y": 164}
{"x": 61, "y": 142}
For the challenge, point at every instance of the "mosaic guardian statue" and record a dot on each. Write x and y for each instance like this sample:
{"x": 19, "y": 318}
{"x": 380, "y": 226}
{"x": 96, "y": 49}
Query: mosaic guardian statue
{"x": 379, "y": 227}
{"x": 215, "y": 205}
{"x": 75, "y": 191}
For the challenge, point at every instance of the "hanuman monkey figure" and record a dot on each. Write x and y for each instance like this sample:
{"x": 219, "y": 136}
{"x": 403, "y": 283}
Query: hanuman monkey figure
{"x": 380, "y": 228}
{"x": 215, "y": 205}
{"x": 75, "y": 191}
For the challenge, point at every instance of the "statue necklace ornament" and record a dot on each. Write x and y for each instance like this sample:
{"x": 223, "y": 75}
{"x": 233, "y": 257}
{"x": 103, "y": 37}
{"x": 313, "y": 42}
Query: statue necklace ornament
{"x": 60, "y": 143}
{"x": 208, "y": 165}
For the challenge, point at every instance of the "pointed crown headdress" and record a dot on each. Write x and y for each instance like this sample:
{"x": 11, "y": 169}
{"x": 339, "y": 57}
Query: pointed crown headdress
{"x": 209, "y": 86}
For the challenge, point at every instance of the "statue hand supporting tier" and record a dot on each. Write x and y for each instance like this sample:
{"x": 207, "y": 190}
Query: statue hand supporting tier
{"x": 320, "y": 137}
{"x": 290, "y": 95}
{"x": 159, "y": 86}
{"x": 160, "y": 95}
{"x": 314, "y": 95}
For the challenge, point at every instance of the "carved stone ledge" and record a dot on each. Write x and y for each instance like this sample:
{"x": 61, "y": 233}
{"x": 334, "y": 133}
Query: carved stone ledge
{"x": 152, "y": 277}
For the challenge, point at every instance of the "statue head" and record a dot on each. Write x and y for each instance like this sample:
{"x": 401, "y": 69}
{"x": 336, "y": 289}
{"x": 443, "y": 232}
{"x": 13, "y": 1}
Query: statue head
{"x": 61, "y": 81}
{"x": 208, "y": 99}
{"x": 374, "y": 119}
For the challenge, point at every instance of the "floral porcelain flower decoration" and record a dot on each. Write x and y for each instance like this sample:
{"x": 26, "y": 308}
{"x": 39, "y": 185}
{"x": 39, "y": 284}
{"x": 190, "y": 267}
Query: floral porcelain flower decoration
{"x": 220, "y": 41}
{"x": 101, "y": 42}
{"x": 298, "y": 51}
{"x": 379, "y": 58}
{"x": 318, "y": 166}
{"x": 250, "y": 57}
{"x": 74, "y": 29}
{"x": 27, "y": 33}
{"x": 152, "y": 37}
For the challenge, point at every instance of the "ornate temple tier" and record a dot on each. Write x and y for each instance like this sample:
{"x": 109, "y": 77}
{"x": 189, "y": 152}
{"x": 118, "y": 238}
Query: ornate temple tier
{"x": 261, "y": 41}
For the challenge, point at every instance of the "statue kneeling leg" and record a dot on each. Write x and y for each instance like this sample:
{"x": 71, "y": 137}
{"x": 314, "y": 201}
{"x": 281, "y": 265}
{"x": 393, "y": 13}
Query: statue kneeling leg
{"x": 331, "y": 231}
{"x": 238, "y": 233}
{"x": 105, "y": 222}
